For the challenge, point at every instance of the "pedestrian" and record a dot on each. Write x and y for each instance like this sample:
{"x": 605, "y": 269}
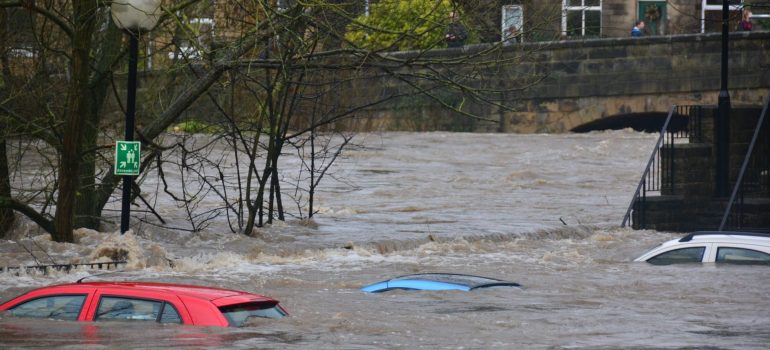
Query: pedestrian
{"x": 745, "y": 23}
{"x": 637, "y": 30}
{"x": 512, "y": 35}
{"x": 455, "y": 33}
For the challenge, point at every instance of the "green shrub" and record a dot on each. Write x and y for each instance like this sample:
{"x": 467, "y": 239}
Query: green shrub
{"x": 401, "y": 25}
{"x": 195, "y": 127}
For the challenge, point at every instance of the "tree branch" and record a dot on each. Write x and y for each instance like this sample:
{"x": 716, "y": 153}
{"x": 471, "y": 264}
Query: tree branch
{"x": 31, "y": 213}
{"x": 30, "y": 5}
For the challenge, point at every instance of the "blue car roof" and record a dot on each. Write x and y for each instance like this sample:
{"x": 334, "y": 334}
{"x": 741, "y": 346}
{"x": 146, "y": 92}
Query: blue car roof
{"x": 437, "y": 281}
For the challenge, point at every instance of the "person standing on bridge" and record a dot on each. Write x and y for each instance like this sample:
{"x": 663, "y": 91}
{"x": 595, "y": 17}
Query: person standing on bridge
{"x": 637, "y": 30}
{"x": 745, "y": 24}
{"x": 455, "y": 33}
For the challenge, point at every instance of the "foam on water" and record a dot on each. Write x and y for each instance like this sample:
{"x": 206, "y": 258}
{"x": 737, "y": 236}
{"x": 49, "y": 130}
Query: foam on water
{"x": 553, "y": 246}
{"x": 126, "y": 247}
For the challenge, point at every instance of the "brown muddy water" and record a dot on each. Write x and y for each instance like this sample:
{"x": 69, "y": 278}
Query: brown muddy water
{"x": 541, "y": 210}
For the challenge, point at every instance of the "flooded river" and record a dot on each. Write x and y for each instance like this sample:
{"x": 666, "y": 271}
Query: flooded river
{"x": 540, "y": 210}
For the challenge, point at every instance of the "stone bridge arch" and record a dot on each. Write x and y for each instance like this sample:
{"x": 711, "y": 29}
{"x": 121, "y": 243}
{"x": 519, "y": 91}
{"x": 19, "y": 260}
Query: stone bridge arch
{"x": 647, "y": 122}
{"x": 625, "y": 79}
{"x": 641, "y": 113}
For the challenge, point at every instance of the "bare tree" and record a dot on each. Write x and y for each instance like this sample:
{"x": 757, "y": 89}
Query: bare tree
{"x": 6, "y": 213}
{"x": 268, "y": 75}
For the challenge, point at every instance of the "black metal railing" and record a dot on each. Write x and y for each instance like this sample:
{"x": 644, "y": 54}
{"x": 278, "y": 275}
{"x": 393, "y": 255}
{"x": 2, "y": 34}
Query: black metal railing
{"x": 694, "y": 115}
{"x": 658, "y": 175}
{"x": 754, "y": 176}
{"x": 106, "y": 265}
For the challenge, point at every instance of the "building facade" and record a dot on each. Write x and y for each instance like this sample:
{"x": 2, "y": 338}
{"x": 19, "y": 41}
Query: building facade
{"x": 575, "y": 19}
{"x": 198, "y": 27}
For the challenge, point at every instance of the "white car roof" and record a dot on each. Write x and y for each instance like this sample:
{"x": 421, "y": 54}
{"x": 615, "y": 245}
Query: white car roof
{"x": 726, "y": 236}
{"x": 703, "y": 237}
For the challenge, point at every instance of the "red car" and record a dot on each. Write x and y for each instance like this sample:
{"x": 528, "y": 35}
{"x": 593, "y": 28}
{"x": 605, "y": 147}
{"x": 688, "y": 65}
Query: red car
{"x": 144, "y": 301}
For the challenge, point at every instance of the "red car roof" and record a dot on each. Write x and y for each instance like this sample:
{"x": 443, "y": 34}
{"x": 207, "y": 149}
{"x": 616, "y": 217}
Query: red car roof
{"x": 198, "y": 305}
{"x": 207, "y": 293}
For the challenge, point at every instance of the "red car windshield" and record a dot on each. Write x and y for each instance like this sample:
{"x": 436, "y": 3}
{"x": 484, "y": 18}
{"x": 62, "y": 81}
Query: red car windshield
{"x": 239, "y": 314}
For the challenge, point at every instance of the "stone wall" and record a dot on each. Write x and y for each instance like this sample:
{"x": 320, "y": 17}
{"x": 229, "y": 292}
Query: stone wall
{"x": 583, "y": 81}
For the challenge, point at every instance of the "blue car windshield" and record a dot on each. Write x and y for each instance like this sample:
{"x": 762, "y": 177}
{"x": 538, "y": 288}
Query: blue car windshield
{"x": 437, "y": 281}
{"x": 465, "y": 280}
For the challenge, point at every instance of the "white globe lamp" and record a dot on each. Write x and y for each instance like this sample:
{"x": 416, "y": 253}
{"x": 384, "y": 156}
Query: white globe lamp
{"x": 136, "y": 16}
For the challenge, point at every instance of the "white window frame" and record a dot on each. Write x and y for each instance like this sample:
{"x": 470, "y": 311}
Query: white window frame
{"x": 25, "y": 52}
{"x": 706, "y": 7}
{"x": 508, "y": 19}
{"x": 566, "y": 8}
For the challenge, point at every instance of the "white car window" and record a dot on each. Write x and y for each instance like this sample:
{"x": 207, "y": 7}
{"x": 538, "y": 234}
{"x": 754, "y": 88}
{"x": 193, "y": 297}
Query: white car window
{"x": 113, "y": 308}
{"x": 678, "y": 256}
{"x": 741, "y": 256}
{"x": 170, "y": 315}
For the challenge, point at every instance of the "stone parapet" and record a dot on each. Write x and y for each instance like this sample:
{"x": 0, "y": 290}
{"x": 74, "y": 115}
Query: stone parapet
{"x": 584, "y": 81}
{"x": 578, "y": 82}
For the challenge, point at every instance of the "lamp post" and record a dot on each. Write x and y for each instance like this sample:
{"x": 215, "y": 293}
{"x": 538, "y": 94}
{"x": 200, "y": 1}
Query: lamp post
{"x": 134, "y": 17}
{"x": 722, "y": 123}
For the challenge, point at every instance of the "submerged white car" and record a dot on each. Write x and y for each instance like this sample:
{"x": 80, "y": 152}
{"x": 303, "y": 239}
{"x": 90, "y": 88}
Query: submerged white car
{"x": 712, "y": 246}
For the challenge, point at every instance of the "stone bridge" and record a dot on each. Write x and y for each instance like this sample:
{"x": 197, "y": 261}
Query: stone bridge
{"x": 603, "y": 84}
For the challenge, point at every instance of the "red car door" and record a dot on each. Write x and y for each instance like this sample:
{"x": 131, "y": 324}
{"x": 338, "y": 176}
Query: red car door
{"x": 106, "y": 297}
{"x": 53, "y": 296}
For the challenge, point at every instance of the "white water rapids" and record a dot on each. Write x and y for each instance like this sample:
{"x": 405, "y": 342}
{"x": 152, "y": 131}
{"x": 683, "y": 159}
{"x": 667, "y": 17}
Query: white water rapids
{"x": 540, "y": 210}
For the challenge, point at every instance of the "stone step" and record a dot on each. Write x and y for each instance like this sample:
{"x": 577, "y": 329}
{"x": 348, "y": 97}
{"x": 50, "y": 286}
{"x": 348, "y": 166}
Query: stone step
{"x": 675, "y": 213}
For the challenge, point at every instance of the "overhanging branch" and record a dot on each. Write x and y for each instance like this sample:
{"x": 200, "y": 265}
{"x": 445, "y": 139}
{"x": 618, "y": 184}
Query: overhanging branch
{"x": 31, "y": 213}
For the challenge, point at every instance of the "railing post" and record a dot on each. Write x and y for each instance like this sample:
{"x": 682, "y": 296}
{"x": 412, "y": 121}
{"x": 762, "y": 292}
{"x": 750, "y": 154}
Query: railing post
{"x": 722, "y": 122}
{"x": 670, "y": 146}
{"x": 643, "y": 212}
{"x": 741, "y": 208}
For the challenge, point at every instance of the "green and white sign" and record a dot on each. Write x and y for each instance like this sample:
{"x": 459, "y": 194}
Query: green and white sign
{"x": 127, "y": 156}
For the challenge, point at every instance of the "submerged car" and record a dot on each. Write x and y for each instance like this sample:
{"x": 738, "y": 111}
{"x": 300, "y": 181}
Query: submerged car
{"x": 712, "y": 246}
{"x": 144, "y": 301}
{"x": 437, "y": 281}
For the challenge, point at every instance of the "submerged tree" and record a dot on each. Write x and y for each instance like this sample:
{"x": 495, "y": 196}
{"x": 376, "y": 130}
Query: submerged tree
{"x": 261, "y": 76}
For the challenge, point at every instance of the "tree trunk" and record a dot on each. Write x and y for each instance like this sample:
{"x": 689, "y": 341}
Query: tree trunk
{"x": 78, "y": 103}
{"x": 6, "y": 214}
{"x": 259, "y": 202}
{"x": 86, "y": 214}
{"x": 311, "y": 190}
{"x": 276, "y": 182}
{"x": 87, "y": 208}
